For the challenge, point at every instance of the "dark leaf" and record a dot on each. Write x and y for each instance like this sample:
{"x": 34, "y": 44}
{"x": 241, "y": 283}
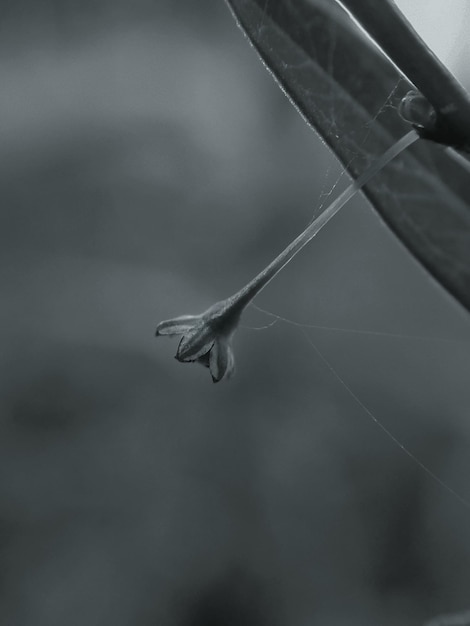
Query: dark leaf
{"x": 349, "y": 91}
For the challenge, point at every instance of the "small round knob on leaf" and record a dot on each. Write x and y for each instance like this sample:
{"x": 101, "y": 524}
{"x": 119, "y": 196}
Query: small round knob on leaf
{"x": 415, "y": 109}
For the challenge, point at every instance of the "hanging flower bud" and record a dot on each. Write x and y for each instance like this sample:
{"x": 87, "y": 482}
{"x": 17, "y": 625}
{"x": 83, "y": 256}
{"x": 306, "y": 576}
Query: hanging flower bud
{"x": 206, "y": 338}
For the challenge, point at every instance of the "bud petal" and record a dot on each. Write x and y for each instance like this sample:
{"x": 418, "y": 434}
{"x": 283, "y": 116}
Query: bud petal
{"x": 177, "y": 326}
{"x": 221, "y": 360}
{"x": 195, "y": 344}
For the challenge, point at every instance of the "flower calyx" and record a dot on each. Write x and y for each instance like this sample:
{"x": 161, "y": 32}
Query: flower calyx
{"x": 206, "y": 338}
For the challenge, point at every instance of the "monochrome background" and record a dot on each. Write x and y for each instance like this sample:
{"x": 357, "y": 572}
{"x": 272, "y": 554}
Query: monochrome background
{"x": 150, "y": 166}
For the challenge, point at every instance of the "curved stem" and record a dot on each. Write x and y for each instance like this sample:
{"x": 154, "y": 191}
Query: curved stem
{"x": 247, "y": 293}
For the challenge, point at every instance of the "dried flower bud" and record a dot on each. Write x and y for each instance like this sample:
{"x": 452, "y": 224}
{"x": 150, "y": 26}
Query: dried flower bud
{"x": 206, "y": 338}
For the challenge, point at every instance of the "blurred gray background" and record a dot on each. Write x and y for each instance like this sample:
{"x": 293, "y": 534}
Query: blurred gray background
{"x": 149, "y": 167}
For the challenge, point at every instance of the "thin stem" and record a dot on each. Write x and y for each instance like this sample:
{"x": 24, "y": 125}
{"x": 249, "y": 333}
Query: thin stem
{"x": 252, "y": 289}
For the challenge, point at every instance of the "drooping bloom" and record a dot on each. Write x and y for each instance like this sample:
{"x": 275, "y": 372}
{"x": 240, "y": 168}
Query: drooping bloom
{"x": 206, "y": 338}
